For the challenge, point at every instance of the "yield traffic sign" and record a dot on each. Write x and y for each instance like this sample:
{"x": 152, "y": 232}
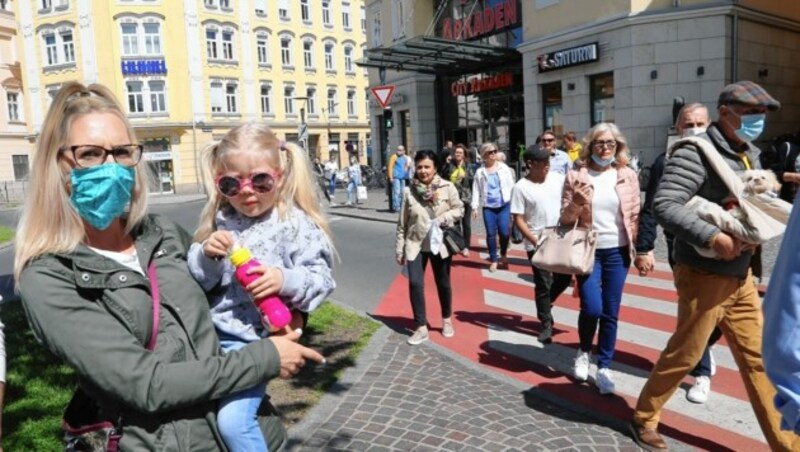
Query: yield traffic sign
{"x": 383, "y": 94}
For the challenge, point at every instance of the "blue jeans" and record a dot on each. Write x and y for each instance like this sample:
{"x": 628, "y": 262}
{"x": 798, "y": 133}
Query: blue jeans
{"x": 332, "y": 186}
{"x": 601, "y": 296}
{"x": 497, "y": 220}
{"x": 237, "y": 419}
{"x": 397, "y": 193}
{"x": 351, "y": 192}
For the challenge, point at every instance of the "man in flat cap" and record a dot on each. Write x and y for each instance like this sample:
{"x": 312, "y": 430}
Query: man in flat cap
{"x": 712, "y": 291}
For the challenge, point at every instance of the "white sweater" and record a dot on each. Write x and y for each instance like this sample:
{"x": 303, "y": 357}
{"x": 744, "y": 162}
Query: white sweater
{"x": 479, "y": 185}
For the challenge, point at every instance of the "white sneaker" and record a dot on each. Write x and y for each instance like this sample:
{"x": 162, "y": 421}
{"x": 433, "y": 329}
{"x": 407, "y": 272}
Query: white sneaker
{"x": 419, "y": 336}
{"x": 698, "y": 393}
{"x": 582, "y": 366}
{"x": 605, "y": 381}
{"x": 712, "y": 360}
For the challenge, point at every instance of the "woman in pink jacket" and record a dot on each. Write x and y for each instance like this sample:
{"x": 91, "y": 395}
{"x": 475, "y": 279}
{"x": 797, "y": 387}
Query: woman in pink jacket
{"x": 602, "y": 195}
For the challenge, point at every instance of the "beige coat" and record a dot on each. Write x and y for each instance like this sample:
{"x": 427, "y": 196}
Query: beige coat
{"x": 415, "y": 221}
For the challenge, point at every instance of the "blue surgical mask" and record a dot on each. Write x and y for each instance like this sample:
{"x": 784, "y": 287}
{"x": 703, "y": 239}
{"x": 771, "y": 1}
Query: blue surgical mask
{"x": 752, "y": 126}
{"x": 693, "y": 131}
{"x": 101, "y": 193}
{"x": 603, "y": 162}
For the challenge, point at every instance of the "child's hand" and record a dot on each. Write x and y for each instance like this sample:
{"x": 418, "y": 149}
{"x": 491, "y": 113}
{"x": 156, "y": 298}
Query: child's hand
{"x": 270, "y": 282}
{"x": 218, "y": 244}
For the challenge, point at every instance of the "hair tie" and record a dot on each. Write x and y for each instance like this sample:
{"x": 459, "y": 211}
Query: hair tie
{"x": 282, "y": 145}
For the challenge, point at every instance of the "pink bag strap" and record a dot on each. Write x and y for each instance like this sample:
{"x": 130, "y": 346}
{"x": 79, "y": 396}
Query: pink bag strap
{"x": 151, "y": 273}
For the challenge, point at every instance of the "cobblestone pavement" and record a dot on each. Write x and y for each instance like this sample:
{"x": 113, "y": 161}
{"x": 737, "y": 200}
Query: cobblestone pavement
{"x": 422, "y": 398}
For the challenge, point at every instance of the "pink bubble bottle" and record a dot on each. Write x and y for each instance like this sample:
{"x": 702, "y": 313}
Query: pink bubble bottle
{"x": 272, "y": 308}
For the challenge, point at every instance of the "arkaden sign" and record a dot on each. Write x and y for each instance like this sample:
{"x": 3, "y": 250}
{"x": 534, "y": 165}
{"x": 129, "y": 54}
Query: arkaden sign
{"x": 473, "y": 21}
{"x": 479, "y": 84}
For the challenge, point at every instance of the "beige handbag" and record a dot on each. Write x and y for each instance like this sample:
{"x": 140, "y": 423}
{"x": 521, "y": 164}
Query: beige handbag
{"x": 566, "y": 250}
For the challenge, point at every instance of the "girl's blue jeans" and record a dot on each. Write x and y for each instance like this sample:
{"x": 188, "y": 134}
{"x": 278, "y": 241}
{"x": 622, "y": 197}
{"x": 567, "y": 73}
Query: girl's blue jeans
{"x": 497, "y": 220}
{"x": 601, "y": 296}
{"x": 237, "y": 419}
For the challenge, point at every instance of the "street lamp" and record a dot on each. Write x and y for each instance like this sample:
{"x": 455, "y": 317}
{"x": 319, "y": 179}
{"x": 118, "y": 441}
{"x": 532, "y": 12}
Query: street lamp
{"x": 302, "y": 131}
{"x": 196, "y": 123}
{"x": 327, "y": 112}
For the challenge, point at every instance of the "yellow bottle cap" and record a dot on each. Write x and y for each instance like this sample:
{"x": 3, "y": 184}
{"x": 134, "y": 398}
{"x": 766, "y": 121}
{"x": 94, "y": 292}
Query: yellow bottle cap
{"x": 240, "y": 256}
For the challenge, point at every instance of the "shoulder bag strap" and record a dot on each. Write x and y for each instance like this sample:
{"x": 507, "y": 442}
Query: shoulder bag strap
{"x": 153, "y": 276}
{"x": 728, "y": 176}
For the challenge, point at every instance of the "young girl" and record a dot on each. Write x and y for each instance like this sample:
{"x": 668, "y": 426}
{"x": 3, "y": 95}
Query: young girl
{"x": 263, "y": 198}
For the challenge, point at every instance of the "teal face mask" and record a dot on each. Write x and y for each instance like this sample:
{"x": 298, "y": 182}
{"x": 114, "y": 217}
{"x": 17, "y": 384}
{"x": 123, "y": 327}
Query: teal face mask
{"x": 752, "y": 126}
{"x": 603, "y": 163}
{"x": 101, "y": 193}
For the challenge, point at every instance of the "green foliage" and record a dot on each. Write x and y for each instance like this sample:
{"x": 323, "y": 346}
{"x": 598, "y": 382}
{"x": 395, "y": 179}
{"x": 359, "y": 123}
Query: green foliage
{"x": 38, "y": 388}
{"x": 6, "y": 234}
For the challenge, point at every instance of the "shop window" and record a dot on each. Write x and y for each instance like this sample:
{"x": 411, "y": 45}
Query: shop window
{"x": 552, "y": 104}
{"x": 602, "y": 97}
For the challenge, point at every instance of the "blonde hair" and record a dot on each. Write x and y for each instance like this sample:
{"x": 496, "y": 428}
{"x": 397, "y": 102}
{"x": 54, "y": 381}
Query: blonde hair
{"x": 49, "y": 223}
{"x": 486, "y": 147}
{"x": 623, "y": 155}
{"x": 294, "y": 188}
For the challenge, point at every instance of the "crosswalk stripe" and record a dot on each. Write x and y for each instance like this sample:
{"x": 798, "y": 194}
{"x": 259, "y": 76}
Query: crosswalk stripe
{"x": 626, "y": 332}
{"x": 728, "y": 413}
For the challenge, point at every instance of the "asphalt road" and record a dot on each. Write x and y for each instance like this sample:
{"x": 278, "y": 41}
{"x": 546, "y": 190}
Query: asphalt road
{"x": 365, "y": 269}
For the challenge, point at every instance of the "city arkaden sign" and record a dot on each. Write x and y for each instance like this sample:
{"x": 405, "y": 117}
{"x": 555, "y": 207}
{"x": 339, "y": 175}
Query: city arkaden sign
{"x": 482, "y": 22}
{"x": 568, "y": 57}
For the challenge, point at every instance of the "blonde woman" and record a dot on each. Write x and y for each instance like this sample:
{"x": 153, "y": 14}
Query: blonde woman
{"x": 603, "y": 195}
{"x": 89, "y": 263}
{"x": 491, "y": 191}
{"x": 428, "y": 204}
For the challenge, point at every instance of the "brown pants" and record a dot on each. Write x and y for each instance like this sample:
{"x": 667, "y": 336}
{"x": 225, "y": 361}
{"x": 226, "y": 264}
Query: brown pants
{"x": 705, "y": 300}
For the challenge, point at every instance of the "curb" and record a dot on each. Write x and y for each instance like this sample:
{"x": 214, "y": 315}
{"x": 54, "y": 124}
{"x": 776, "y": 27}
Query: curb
{"x": 361, "y": 217}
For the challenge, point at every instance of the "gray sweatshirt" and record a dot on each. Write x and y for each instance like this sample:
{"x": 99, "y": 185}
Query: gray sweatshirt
{"x": 295, "y": 245}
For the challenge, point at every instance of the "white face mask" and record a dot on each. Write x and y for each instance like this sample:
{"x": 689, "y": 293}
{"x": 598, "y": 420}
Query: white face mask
{"x": 694, "y": 131}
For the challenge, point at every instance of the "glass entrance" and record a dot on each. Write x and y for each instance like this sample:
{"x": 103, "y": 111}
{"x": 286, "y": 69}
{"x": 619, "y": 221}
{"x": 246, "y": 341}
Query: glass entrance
{"x": 162, "y": 176}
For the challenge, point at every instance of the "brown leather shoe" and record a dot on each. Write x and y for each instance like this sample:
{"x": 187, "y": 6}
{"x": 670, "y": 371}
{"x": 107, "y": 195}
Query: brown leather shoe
{"x": 647, "y": 438}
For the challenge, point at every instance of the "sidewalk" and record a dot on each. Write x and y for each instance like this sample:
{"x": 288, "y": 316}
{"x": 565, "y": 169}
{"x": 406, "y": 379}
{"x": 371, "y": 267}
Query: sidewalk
{"x": 375, "y": 208}
{"x": 427, "y": 398}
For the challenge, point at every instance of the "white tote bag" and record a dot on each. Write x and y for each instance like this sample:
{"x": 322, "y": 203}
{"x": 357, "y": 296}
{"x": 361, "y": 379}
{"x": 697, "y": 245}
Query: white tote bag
{"x": 361, "y": 193}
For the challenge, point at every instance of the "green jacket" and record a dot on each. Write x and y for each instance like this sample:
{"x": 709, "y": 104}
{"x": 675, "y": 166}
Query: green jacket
{"x": 96, "y": 315}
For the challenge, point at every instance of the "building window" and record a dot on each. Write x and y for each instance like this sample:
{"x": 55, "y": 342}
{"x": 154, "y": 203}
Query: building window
{"x": 69, "y": 46}
{"x": 225, "y": 4}
{"x": 135, "y": 97}
{"x": 217, "y": 97}
{"x": 311, "y": 100}
{"x": 227, "y": 45}
{"x": 283, "y": 9}
{"x": 346, "y": 16}
{"x": 308, "y": 54}
{"x": 13, "y": 106}
{"x": 305, "y": 12}
{"x": 351, "y": 102}
{"x": 288, "y": 100}
{"x": 332, "y": 104}
{"x": 602, "y": 97}
{"x": 329, "y": 56}
{"x": 266, "y": 99}
{"x": 158, "y": 96}
{"x": 552, "y": 104}
{"x": 133, "y": 33}
{"x": 348, "y": 59}
{"x": 130, "y": 39}
{"x": 377, "y": 39}
{"x": 219, "y": 44}
{"x": 286, "y": 51}
{"x": 152, "y": 38}
{"x": 398, "y": 21}
{"x": 262, "y": 46}
{"x": 59, "y": 47}
{"x": 21, "y": 167}
{"x": 363, "y": 20}
{"x": 232, "y": 97}
{"x": 211, "y": 44}
{"x": 326, "y": 13}
{"x": 261, "y": 8}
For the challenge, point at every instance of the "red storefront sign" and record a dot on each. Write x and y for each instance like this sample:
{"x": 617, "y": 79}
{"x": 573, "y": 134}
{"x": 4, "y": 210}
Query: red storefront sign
{"x": 480, "y": 84}
{"x": 482, "y": 22}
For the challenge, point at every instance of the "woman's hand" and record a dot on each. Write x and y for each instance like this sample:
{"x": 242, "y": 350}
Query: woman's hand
{"x": 582, "y": 194}
{"x": 401, "y": 260}
{"x": 293, "y": 355}
{"x": 474, "y": 214}
{"x": 270, "y": 282}
{"x": 645, "y": 263}
{"x": 218, "y": 244}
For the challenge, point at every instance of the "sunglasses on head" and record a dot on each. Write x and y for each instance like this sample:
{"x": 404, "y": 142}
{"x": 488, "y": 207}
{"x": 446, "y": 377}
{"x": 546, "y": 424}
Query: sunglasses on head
{"x": 231, "y": 186}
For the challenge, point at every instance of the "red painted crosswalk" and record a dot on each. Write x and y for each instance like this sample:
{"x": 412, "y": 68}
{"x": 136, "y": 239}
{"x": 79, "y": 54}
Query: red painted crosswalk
{"x": 496, "y": 326}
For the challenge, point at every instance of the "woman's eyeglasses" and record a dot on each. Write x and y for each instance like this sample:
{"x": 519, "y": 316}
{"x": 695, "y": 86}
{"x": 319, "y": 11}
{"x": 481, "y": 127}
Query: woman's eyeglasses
{"x": 491, "y": 151}
{"x": 548, "y": 140}
{"x": 609, "y": 144}
{"x": 231, "y": 186}
{"x": 89, "y": 155}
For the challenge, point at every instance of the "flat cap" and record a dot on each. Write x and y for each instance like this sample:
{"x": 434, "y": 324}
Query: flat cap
{"x": 749, "y": 94}
{"x": 534, "y": 154}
